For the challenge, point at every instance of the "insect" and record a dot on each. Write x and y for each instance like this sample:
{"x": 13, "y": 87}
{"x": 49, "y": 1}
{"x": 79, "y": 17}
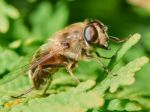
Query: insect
{"x": 64, "y": 49}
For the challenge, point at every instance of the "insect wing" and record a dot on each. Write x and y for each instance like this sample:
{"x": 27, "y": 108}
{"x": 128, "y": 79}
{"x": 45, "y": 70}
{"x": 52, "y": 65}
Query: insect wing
{"x": 17, "y": 72}
{"x": 40, "y": 60}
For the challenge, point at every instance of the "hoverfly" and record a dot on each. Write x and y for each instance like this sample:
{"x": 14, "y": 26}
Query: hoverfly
{"x": 64, "y": 49}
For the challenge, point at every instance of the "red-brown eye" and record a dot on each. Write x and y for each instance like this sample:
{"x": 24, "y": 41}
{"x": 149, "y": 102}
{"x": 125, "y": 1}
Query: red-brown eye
{"x": 90, "y": 34}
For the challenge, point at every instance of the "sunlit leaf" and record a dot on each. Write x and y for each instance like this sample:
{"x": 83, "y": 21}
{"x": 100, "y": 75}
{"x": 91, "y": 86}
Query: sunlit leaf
{"x": 125, "y": 47}
{"x": 8, "y": 59}
{"x": 123, "y": 105}
{"x": 6, "y": 12}
{"x": 124, "y": 76}
{"x": 77, "y": 99}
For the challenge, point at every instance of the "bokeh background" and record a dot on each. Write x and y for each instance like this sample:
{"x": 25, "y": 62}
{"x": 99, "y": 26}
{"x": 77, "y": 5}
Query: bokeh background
{"x": 27, "y": 24}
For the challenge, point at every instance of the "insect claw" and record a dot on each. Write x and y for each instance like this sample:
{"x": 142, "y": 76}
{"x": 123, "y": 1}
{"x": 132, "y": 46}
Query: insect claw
{"x": 20, "y": 96}
{"x": 115, "y": 75}
{"x": 73, "y": 76}
{"x": 102, "y": 56}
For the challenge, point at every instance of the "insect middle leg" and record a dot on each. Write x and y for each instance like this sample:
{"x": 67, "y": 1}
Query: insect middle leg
{"x": 69, "y": 66}
{"x": 47, "y": 86}
{"x": 73, "y": 76}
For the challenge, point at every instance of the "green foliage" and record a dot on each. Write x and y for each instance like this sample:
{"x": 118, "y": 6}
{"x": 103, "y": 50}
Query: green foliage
{"x": 6, "y": 12}
{"x": 121, "y": 52}
{"x": 75, "y": 100}
{"x": 6, "y": 57}
{"x": 123, "y": 105}
{"x": 85, "y": 96}
{"x": 124, "y": 76}
{"x": 27, "y": 24}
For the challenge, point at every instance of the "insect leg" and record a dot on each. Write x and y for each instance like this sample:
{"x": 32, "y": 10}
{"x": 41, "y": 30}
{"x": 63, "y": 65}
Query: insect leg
{"x": 35, "y": 76}
{"x": 24, "y": 93}
{"x": 46, "y": 66}
{"x": 99, "y": 62}
{"x": 30, "y": 89}
{"x": 103, "y": 66}
{"x": 47, "y": 86}
{"x": 69, "y": 69}
{"x": 74, "y": 57}
{"x": 70, "y": 66}
{"x": 73, "y": 76}
{"x": 102, "y": 56}
{"x": 115, "y": 39}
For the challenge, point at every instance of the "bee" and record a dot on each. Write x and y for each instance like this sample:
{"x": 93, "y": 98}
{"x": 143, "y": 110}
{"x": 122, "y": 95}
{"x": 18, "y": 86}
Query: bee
{"x": 64, "y": 49}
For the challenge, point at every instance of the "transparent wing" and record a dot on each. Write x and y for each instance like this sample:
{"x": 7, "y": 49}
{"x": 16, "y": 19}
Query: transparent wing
{"x": 47, "y": 56}
{"x": 20, "y": 69}
{"x": 24, "y": 68}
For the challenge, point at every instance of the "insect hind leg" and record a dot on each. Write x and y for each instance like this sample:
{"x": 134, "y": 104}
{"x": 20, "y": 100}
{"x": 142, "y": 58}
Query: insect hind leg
{"x": 24, "y": 93}
{"x": 30, "y": 89}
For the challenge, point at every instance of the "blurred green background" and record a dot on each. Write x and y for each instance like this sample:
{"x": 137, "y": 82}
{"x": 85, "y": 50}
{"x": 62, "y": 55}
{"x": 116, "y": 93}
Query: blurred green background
{"x": 27, "y": 24}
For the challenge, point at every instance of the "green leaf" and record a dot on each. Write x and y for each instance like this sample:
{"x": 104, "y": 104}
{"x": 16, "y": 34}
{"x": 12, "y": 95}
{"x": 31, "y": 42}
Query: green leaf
{"x": 4, "y": 24}
{"x": 124, "y": 76}
{"x": 6, "y": 12}
{"x": 20, "y": 31}
{"x": 58, "y": 19}
{"x": 48, "y": 17}
{"x": 125, "y": 47}
{"x": 123, "y": 105}
{"x": 78, "y": 99}
{"x": 146, "y": 35}
{"x": 120, "y": 53}
{"x": 14, "y": 86}
{"x": 8, "y": 59}
{"x": 135, "y": 94}
{"x": 15, "y": 44}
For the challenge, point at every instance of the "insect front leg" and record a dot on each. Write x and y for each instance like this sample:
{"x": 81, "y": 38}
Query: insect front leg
{"x": 97, "y": 59}
{"x": 102, "y": 56}
{"x": 103, "y": 66}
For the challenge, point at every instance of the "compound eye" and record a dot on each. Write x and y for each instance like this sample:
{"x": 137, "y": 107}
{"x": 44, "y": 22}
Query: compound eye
{"x": 90, "y": 34}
